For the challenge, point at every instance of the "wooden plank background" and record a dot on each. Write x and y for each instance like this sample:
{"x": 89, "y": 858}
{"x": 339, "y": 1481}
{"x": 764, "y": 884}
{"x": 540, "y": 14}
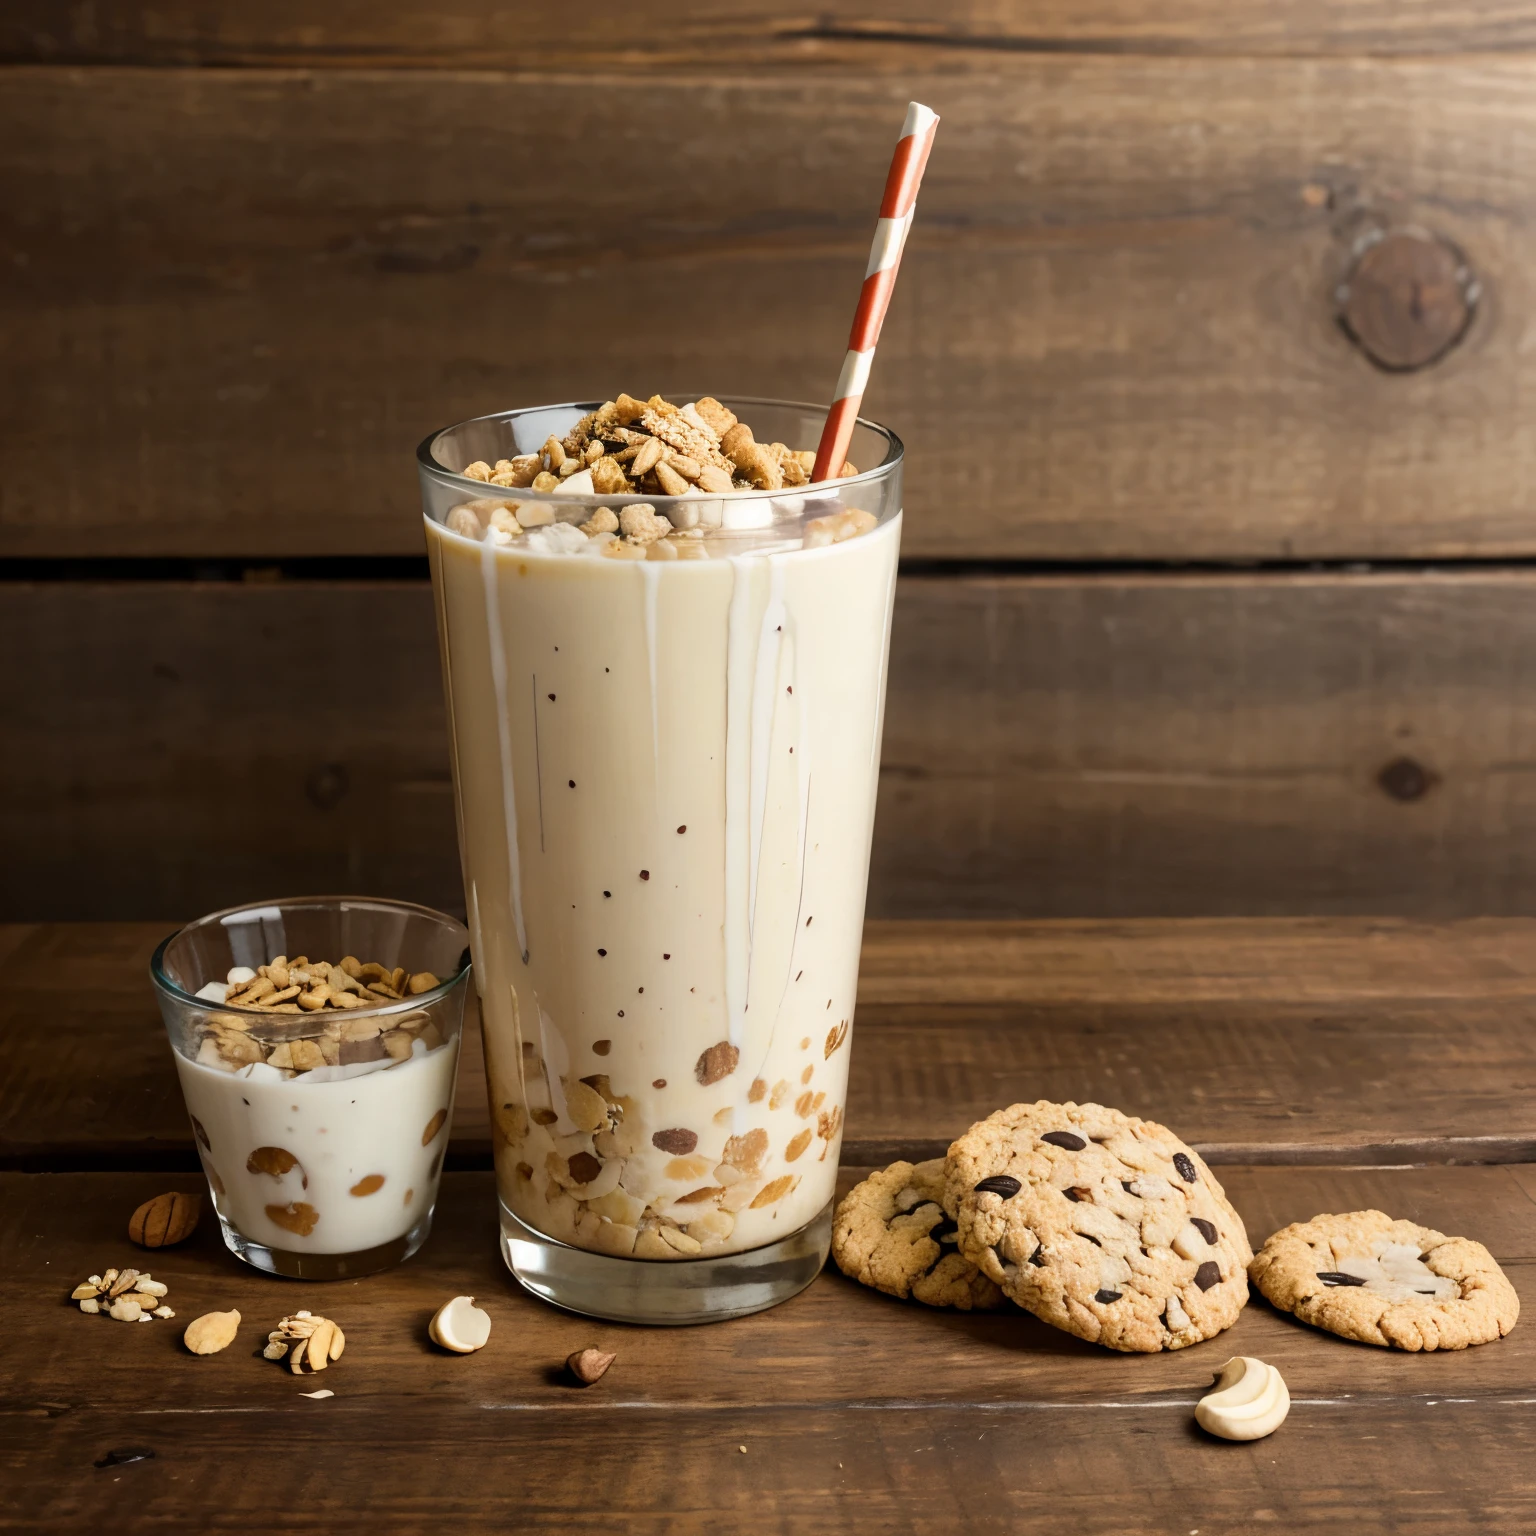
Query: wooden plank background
{"x": 1239, "y": 743}
{"x": 237, "y": 299}
{"x": 252, "y": 254}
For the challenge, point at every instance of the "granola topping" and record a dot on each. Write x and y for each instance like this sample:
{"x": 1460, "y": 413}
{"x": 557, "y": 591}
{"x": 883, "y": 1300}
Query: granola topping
{"x": 628, "y": 447}
{"x": 300, "y": 1016}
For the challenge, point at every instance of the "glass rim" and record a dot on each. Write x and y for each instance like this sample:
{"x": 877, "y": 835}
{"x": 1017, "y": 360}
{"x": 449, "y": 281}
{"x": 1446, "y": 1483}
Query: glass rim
{"x": 163, "y": 982}
{"x": 894, "y": 454}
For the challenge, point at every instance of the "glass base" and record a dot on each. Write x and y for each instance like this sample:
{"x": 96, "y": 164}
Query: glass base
{"x": 668, "y": 1292}
{"x": 326, "y": 1266}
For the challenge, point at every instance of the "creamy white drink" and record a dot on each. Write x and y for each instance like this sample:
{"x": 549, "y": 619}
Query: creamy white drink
{"x": 666, "y": 772}
{"x": 341, "y": 1160}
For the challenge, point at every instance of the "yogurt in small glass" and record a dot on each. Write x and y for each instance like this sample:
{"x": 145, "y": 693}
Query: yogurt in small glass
{"x": 321, "y": 1129}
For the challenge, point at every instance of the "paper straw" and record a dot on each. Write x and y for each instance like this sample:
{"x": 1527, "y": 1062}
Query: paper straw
{"x": 896, "y": 210}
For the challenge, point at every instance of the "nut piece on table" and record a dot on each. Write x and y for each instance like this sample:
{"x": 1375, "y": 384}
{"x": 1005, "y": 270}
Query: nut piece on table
{"x": 306, "y": 1340}
{"x": 461, "y": 1326}
{"x": 589, "y": 1365}
{"x": 213, "y": 1331}
{"x": 124, "y": 1294}
{"x": 1248, "y": 1401}
{"x": 166, "y": 1220}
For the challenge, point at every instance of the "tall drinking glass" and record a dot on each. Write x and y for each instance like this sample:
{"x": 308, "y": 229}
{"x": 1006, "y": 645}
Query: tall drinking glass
{"x": 665, "y": 772}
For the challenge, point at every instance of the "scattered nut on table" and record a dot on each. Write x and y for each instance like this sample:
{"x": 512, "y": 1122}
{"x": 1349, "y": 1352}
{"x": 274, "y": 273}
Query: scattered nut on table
{"x": 589, "y": 1365}
{"x": 166, "y": 1220}
{"x": 124, "y": 1294}
{"x": 213, "y": 1331}
{"x": 460, "y": 1325}
{"x": 1248, "y": 1401}
{"x": 308, "y": 1342}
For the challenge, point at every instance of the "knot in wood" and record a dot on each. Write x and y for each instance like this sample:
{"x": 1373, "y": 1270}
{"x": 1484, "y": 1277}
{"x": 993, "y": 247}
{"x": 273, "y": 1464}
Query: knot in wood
{"x": 1404, "y": 779}
{"x": 1408, "y": 300}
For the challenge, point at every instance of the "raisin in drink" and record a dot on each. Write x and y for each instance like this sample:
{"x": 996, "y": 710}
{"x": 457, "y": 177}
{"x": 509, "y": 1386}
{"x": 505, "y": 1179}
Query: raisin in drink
{"x": 665, "y": 713}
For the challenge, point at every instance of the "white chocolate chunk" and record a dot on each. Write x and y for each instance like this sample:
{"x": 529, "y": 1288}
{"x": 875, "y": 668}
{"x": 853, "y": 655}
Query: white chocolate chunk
{"x": 1189, "y": 1244}
{"x": 1249, "y": 1400}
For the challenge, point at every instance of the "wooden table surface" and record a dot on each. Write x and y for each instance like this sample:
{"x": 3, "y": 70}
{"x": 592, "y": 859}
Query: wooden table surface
{"x": 1329, "y": 1065}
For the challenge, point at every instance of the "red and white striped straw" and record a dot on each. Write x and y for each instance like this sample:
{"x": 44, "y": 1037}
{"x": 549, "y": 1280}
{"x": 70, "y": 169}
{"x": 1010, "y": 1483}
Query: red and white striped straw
{"x": 896, "y": 210}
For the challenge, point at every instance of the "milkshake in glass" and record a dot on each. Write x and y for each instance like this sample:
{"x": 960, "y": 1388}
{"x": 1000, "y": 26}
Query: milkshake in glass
{"x": 666, "y": 750}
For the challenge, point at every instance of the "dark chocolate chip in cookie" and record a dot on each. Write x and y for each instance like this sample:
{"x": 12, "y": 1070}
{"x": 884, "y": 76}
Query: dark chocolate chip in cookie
{"x": 1106, "y": 1296}
{"x": 1077, "y": 1193}
{"x": 1208, "y": 1274}
{"x": 1206, "y": 1229}
{"x": 1003, "y": 1184}
{"x": 1181, "y": 1161}
{"x": 1067, "y": 1139}
{"x": 1336, "y": 1277}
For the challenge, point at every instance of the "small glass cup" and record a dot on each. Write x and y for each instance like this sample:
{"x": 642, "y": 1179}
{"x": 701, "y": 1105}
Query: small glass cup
{"x": 321, "y": 1133}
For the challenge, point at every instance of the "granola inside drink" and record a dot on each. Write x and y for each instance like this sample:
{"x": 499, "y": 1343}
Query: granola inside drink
{"x": 665, "y": 700}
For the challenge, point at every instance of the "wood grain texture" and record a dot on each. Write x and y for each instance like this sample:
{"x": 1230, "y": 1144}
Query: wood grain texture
{"x": 892, "y": 34}
{"x": 237, "y": 298}
{"x": 1298, "y": 1049}
{"x": 853, "y": 1408}
{"x": 1097, "y": 746}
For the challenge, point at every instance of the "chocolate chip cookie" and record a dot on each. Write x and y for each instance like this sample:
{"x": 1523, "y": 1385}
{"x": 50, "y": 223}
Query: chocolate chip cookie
{"x": 1364, "y": 1276}
{"x": 1100, "y": 1224}
{"x": 891, "y": 1233}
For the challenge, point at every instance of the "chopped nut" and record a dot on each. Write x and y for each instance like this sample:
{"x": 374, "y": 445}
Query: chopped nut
{"x": 647, "y": 456}
{"x": 126, "y": 1310}
{"x": 89, "y": 1304}
{"x": 671, "y": 483}
{"x": 589, "y": 1366}
{"x": 309, "y": 1343}
{"x": 213, "y": 1331}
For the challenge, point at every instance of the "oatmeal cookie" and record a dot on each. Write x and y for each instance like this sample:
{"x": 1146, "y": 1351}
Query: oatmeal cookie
{"x": 891, "y": 1233}
{"x": 1364, "y": 1276}
{"x": 1100, "y": 1224}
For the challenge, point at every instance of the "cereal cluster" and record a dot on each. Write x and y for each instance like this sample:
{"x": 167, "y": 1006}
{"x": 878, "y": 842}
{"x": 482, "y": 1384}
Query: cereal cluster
{"x": 629, "y": 447}
{"x": 315, "y": 997}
